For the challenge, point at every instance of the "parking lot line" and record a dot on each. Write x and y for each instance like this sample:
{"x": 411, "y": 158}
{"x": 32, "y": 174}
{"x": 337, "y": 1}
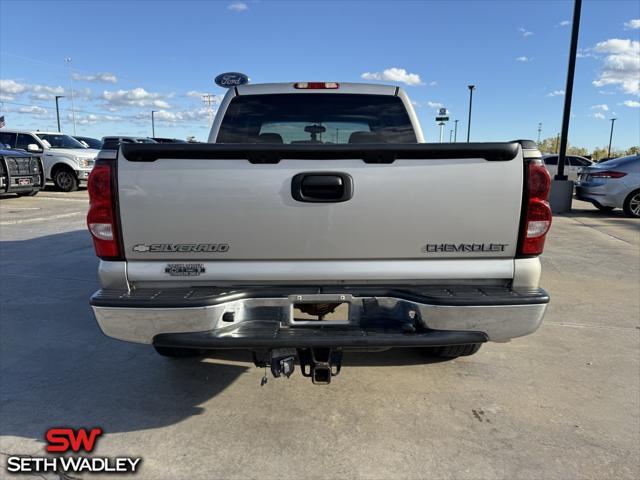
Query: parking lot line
{"x": 41, "y": 219}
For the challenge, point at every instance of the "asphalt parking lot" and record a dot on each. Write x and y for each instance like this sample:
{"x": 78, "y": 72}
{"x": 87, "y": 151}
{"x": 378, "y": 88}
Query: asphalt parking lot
{"x": 563, "y": 403}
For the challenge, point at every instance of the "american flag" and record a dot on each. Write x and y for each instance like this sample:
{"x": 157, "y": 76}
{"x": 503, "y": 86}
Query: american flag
{"x": 2, "y": 124}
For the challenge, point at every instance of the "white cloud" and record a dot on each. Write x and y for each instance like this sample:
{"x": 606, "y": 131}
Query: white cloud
{"x": 435, "y": 105}
{"x": 603, "y": 106}
{"x": 621, "y": 65}
{"x": 631, "y": 104}
{"x": 34, "y": 110}
{"x": 605, "y": 92}
{"x": 198, "y": 114}
{"x": 433, "y": 83}
{"x": 632, "y": 24}
{"x": 11, "y": 87}
{"x": 524, "y": 59}
{"x": 136, "y": 97}
{"x": 92, "y": 119}
{"x": 564, "y": 23}
{"x": 394, "y": 74}
{"x": 598, "y": 115}
{"x": 238, "y": 7}
{"x": 525, "y": 33}
{"x": 195, "y": 93}
{"x": 105, "y": 77}
{"x": 556, "y": 93}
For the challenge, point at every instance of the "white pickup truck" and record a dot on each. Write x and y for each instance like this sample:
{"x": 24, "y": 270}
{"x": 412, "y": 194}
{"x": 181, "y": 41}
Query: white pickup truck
{"x": 317, "y": 220}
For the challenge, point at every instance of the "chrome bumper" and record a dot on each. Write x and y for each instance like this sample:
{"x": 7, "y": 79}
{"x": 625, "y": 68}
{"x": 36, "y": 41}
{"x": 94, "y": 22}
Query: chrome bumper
{"x": 139, "y": 318}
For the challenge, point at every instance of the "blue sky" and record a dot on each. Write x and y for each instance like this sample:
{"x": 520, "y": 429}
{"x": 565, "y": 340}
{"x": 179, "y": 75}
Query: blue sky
{"x": 131, "y": 57}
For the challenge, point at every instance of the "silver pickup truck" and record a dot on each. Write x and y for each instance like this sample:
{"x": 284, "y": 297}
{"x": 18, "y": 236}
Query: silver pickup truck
{"x": 316, "y": 220}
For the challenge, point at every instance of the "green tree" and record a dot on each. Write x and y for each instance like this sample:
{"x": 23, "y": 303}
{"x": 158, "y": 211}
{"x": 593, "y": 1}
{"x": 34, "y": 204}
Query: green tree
{"x": 633, "y": 151}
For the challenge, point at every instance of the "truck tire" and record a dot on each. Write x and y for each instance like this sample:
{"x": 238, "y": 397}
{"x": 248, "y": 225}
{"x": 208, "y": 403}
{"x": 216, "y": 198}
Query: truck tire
{"x": 452, "y": 351}
{"x": 32, "y": 193}
{"x": 65, "y": 179}
{"x": 631, "y": 204}
{"x": 175, "y": 352}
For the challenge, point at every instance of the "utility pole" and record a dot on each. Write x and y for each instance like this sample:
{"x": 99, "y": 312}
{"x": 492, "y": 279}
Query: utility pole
{"x": 471, "y": 89}
{"x": 209, "y": 99}
{"x": 455, "y": 132}
{"x": 153, "y": 124}
{"x": 73, "y": 108}
{"x": 611, "y": 137}
{"x": 58, "y": 111}
{"x": 571, "y": 69}
{"x": 539, "y": 131}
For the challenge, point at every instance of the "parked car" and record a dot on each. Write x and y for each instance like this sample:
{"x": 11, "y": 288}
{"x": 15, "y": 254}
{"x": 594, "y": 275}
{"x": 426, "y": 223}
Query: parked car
{"x": 315, "y": 220}
{"x": 90, "y": 142}
{"x": 572, "y": 164}
{"x": 66, "y": 161}
{"x": 20, "y": 172}
{"x": 113, "y": 143}
{"x": 168, "y": 140}
{"x": 612, "y": 184}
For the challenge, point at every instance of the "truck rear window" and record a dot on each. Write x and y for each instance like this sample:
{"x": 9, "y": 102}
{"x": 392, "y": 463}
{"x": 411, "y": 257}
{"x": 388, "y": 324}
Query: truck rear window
{"x": 317, "y": 118}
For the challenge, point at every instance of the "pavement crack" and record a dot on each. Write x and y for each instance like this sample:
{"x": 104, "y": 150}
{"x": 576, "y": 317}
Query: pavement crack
{"x": 593, "y": 227}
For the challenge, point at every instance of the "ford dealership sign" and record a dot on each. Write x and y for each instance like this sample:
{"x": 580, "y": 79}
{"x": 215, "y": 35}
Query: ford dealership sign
{"x": 231, "y": 79}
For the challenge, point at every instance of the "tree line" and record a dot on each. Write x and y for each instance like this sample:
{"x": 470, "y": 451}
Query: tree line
{"x": 551, "y": 145}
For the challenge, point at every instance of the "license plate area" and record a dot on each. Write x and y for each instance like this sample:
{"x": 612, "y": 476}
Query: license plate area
{"x": 24, "y": 181}
{"x": 320, "y": 310}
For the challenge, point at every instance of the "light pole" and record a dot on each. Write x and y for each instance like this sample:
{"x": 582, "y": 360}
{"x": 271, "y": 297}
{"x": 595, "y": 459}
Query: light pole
{"x": 58, "y": 111}
{"x": 568, "y": 92}
{"x": 153, "y": 124}
{"x": 450, "y": 135}
{"x": 455, "y": 132}
{"x": 471, "y": 89}
{"x": 73, "y": 108}
{"x": 611, "y": 137}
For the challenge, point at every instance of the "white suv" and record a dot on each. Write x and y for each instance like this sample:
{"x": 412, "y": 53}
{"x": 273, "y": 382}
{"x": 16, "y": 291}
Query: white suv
{"x": 66, "y": 161}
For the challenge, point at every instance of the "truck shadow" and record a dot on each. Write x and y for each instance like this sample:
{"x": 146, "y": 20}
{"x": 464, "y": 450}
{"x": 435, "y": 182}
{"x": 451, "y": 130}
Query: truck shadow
{"x": 56, "y": 366}
{"x": 58, "y": 369}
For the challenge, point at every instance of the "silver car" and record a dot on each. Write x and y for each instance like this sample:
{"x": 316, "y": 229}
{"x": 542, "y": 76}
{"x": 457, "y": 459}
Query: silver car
{"x": 612, "y": 184}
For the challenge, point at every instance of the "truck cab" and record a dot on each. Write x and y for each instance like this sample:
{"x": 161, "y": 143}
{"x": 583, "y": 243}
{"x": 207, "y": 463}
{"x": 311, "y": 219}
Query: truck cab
{"x": 66, "y": 161}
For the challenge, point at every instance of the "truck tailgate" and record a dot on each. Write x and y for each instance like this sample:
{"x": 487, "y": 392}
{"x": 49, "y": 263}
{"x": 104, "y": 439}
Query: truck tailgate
{"x": 173, "y": 207}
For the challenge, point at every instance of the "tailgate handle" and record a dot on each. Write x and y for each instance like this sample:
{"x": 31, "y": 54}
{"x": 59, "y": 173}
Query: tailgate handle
{"x": 322, "y": 187}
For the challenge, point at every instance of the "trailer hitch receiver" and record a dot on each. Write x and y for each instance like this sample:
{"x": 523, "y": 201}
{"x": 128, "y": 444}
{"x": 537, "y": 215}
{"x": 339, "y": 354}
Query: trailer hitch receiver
{"x": 320, "y": 364}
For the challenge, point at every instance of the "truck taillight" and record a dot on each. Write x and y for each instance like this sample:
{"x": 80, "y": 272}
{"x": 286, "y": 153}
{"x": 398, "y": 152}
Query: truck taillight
{"x": 316, "y": 85}
{"x": 537, "y": 217}
{"x": 101, "y": 218}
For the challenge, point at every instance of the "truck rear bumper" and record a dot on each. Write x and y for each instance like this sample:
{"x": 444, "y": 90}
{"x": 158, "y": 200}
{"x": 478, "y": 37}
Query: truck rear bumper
{"x": 208, "y": 317}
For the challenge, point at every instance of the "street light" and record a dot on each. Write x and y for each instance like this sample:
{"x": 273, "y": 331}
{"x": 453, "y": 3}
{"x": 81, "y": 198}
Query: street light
{"x": 471, "y": 89}
{"x": 73, "y": 108}
{"x": 455, "y": 132}
{"x": 611, "y": 137}
{"x": 153, "y": 124}
{"x": 58, "y": 111}
{"x": 568, "y": 94}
